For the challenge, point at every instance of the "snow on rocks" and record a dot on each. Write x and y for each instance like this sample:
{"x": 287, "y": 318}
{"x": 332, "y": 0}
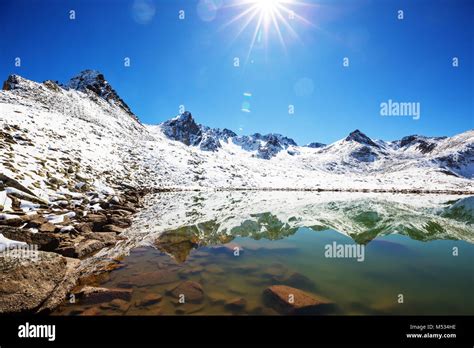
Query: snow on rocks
{"x": 6, "y": 243}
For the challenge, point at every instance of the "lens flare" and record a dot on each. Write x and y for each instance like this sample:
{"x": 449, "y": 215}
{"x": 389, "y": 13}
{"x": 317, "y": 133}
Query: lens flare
{"x": 267, "y": 18}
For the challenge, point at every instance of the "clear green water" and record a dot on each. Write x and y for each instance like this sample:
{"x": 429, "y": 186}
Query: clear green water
{"x": 416, "y": 262}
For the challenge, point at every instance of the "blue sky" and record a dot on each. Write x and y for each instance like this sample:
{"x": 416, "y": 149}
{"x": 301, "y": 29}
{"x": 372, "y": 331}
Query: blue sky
{"x": 190, "y": 62}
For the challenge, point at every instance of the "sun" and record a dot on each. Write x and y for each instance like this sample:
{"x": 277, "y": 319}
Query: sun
{"x": 268, "y": 18}
{"x": 267, "y": 6}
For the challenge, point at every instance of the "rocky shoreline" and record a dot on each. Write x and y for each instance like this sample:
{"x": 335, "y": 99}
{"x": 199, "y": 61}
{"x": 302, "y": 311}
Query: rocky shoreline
{"x": 62, "y": 239}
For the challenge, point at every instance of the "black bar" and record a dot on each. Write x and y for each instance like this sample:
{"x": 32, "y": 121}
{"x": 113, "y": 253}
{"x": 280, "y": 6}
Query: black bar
{"x": 194, "y": 330}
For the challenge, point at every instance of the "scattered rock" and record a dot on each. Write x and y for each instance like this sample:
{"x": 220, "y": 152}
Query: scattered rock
{"x": 288, "y": 300}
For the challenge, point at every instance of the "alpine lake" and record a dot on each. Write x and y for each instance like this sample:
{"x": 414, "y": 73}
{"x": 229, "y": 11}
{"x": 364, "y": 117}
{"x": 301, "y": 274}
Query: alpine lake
{"x": 244, "y": 252}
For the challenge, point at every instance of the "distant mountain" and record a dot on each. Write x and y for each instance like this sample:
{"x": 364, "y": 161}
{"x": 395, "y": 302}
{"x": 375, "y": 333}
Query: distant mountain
{"x": 183, "y": 128}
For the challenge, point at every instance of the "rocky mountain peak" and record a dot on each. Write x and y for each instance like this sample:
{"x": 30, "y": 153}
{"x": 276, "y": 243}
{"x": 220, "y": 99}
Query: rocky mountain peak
{"x": 93, "y": 80}
{"x": 361, "y": 138}
{"x": 13, "y": 82}
{"x": 183, "y": 128}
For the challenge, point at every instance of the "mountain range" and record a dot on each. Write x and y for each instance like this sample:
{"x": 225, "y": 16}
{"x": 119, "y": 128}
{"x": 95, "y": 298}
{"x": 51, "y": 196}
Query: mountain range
{"x": 49, "y": 127}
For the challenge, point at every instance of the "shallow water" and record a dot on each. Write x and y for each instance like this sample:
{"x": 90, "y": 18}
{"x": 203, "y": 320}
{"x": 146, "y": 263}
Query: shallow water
{"x": 239, "y": 244}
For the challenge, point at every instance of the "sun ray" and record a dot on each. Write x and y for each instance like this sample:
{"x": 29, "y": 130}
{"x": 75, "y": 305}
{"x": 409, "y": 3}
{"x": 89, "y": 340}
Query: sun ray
{"x": 270, "y": 17}
{"x": 255, "y": 34}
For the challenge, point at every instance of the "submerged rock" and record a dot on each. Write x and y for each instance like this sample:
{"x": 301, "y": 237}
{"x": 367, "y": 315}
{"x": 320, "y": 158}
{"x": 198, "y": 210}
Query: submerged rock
{"x": 94, "y": 295}
{"x": 192, "y": 291}
{"x": 148, "y": 300}
{"x": 236, "y": 304}
{"x": 287, "y": 300}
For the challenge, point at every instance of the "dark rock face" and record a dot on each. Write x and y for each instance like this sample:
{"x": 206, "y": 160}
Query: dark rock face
{"x": 461, "y": 159}
{"x": 365, "y": 154}
{"x": 11, "y": 83}
{"x": 361, "y": 138}
{"x": 267, "y": 146}
{"x": 270, "y": 148}
{"x": 210, "y": 144}
{"x": 91, "y": 80}
{"x": 184, "y": 129}
{"x": 423, "y": 144}
{"x": 316, "y": 145}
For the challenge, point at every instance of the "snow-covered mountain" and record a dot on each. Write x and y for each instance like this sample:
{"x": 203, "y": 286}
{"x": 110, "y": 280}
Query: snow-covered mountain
{"x": 183, "y": 128}
{"x": 83, "y": 133}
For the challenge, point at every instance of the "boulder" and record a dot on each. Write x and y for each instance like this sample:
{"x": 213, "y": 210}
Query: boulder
{"x": 32, "y": 285}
